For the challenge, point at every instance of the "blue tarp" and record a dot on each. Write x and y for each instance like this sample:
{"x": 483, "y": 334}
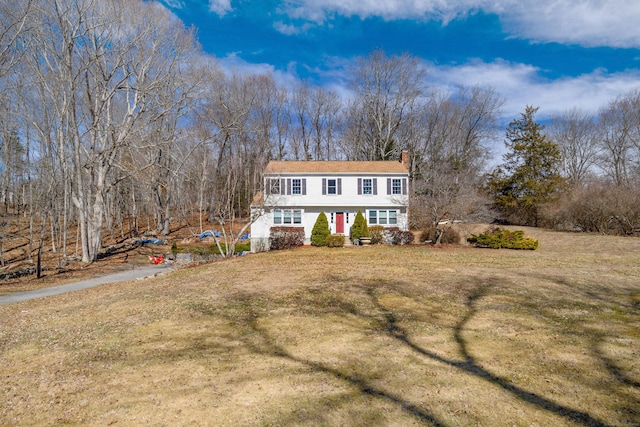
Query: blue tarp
{"x": 154, "y": 241}
{"x": 210, "y": 233}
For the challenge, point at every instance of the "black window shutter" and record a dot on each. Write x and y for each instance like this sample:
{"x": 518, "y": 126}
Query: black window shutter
{"x": 375, "y": 186}
{"x": 324, "y": 186}
{"x": 359, "y": 186}
{"x": 304, "y": 186}
{"x": 288, "y": 186}
{"x": 339, "y": 184}
{"x": 267, "y": 187}
{"x": 388, "y": 185}
{"x": 404, "y": 186}
{"x": 282, "y": 186}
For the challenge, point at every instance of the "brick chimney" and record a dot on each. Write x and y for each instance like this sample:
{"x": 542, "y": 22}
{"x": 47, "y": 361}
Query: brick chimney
{"x": 404, "y": 159}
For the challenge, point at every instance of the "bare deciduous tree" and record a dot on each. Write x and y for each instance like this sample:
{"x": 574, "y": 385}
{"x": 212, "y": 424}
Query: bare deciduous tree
{"x": 104, "y": 65}
{"x": 618, "y": 125}
{"x": 386, "y": 90}
{"x": 576, "y": 134}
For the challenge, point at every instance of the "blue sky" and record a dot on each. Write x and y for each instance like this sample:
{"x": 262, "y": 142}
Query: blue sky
{"x": 553, "y": 54}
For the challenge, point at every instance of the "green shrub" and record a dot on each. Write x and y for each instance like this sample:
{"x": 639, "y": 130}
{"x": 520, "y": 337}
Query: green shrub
{"x": 376, "y": 233}
{"x": 239, "y": 248}
{"x": 335, "y": 241}
{"x": 286, "y": 237}
{"x": 200, "y": 250}
{"x": 320, "y": 231}
{"x": 359, "y": 228}
{"x": 498, "y": 238}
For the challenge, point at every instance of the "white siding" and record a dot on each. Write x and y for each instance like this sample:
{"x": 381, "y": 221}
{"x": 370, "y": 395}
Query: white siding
{"x": 314, "y": 202}
{"x": 349, "y": 196}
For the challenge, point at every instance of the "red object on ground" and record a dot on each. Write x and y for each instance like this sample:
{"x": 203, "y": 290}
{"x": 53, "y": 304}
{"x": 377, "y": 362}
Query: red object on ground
{"x": 156, "y": 259}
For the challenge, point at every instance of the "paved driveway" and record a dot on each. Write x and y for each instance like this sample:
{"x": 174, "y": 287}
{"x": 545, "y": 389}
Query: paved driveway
{"x": 123, "y": 276}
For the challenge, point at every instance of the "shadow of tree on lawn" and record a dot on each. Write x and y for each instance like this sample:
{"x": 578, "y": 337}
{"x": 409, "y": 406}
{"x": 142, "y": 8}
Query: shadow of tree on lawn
{"x": 259, "y": 340}
{"x": 470, "y": 366}
{"x": 267, "y": 346}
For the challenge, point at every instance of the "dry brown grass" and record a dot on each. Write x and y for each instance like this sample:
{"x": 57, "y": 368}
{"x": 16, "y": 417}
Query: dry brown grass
{"x": 353, "y": 336}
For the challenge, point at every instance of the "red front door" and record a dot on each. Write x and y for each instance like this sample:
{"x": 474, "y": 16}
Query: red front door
{"x": 339, "y": 223}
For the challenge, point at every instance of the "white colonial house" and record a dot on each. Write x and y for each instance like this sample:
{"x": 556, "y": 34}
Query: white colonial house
{"x": 295, "y": 192}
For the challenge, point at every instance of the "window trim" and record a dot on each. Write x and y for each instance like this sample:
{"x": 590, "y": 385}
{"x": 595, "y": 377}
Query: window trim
{"x": 397, "y": 190}
{"x": 325, "y": 186}
{"x": 396, "y": 186}
{"x": 374, "y": 186}
{"x": 332, "y": 190}
{"x": 292, "y": 214}
{"x": 274, "y": 186}
{"x": 367, "y": 186}
{"x": 374, "y": 217}
{"x": 296, "y": 190}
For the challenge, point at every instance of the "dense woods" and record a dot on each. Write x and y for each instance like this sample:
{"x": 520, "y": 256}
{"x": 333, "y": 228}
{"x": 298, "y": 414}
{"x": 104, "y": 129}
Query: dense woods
{"x": 113, "y": 119}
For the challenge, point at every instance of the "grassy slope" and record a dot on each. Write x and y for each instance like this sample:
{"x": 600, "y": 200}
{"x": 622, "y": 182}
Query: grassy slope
{"x": 353, "y": 336}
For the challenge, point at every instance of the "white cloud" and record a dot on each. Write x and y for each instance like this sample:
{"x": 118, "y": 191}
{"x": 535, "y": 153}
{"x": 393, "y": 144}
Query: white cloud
{"x": 220, "y": 7}
{"x": 286, "y": 29}
{"x": 585, "y": 22}
{"x": 234, "y": 63}
{"x": 289, "y": 29}
{"x": 519, "y": 84}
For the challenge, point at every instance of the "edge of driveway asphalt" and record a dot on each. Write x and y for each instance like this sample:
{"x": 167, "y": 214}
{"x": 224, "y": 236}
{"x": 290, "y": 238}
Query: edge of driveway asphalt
{"x": 122, "y": 276}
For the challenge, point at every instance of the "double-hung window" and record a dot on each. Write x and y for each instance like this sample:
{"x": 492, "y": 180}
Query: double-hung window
{"x": 373, "y": 216}
{"x": 396, "y": 186}
{"x": 296, "y": 186}
{"x": 332, "y": 186}
{"x": 367, "y": 186}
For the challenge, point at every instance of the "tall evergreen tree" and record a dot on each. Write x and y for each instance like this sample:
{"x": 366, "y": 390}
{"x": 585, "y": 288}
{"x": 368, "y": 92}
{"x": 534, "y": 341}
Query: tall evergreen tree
{"x": 320, "y": 231}
{"x": 530, "y": 175}
{"x": 359, "y": 228}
